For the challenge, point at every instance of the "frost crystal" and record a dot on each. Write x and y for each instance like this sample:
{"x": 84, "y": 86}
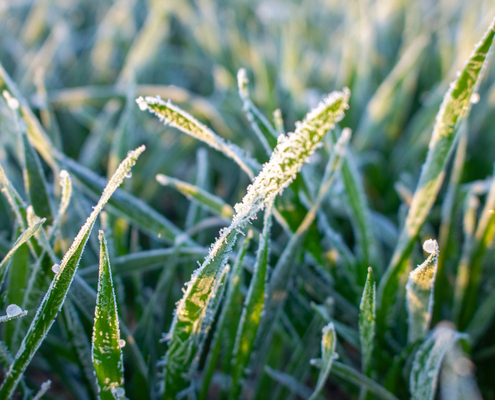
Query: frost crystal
{"x": 56, "y": 268}
{"x": 430, "y": 246}
{"x": 12, "y": 102}
{"x": 13, "y": 310}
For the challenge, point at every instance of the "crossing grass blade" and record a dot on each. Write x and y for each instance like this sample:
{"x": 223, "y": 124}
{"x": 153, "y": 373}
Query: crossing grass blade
{"x": 328, "y": 343}
{"x": 55, "y": 297}
{"x": 252, "y": 310}
{"x": 367, "y": 318}
{"x": 287, "y": 159}
{"x": 172, "y": 115}
{"x": 419, "y": 293}
{"x": 454, "y": 108}
{"x": 205, "y": 199}
{"x": 289, "y": 382}
{"x": 107, "y": 352}
{"x": 428, "y": 360}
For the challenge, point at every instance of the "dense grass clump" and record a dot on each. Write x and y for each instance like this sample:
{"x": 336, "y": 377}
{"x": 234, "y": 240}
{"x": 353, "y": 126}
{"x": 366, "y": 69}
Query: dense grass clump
{"x": 360, "y": 132}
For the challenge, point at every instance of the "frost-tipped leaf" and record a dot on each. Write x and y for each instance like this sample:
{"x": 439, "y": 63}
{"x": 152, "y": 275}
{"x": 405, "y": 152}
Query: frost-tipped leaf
{"x": 107, "y": 351}
{"x": 328, "y": 343}
{"x": 55, "y": 297}
{"x": 367, "y": 320}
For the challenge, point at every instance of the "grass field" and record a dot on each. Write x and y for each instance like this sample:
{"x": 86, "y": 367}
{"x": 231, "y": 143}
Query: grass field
{"x": 213, "y": 199}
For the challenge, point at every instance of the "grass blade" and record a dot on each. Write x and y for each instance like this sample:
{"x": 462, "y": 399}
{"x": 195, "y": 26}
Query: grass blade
{"x": 454, "y": 108}
{"x": 367, "y": 318}
{"x": 419, "y": 293}
{"x": 328, "y": 343}
{"x": 54, "y": 298}
{"x": 107, "y": 352}
{"x": 289, "y": 382}
{"x": 251, "y": 312}
{"x": 428, "y": 360}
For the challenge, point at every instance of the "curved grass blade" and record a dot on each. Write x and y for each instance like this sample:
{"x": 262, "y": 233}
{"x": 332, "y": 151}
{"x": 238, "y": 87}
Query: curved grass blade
{"x": 54, "y": 298}
{"x": 287, "y": 159}
{"x": 367, "y": 318}
{"x": 267, "y": 135}
{"x": 455, "y": 107}
{"x": 107, "y": 352}
{"x": 419, "y": 293}
{"x": 328, "y": 343}
{"x": 207, "y": 200}
{"x": 428, "y": 360}
{"x": 172, "y": 115}
{"x": 228, "y": 321}
{"x": 251, "y": 312}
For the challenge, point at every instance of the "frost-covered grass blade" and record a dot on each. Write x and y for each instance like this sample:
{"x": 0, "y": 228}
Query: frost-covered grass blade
{"x": 328, "y": 343}
{"x": 367, "y": 321}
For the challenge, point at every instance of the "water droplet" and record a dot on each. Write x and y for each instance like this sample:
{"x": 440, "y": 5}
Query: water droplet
{"x": 13, "y": 310}
{"x": 121, "y": 343}
{"x": 430, "y": 246}
{"x": 475, "y": 98}
{"x": 118, "y": 392}
{"x": 128, "y": 175}
{"x": 56, "y": 268}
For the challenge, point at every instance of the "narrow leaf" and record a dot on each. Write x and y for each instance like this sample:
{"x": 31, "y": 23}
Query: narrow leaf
{"x": 328, "y": 343}
{"x": 367, "y": 321}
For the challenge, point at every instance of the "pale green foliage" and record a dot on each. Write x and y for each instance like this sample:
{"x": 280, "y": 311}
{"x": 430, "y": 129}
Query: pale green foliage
{"x": 367, "y": 320}
{"x": 328, "y": 343}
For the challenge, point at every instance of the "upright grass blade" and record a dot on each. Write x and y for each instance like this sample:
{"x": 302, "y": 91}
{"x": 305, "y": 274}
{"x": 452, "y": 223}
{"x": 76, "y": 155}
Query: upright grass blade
{"x": 328, "y": 343}
{"x": 367, "y": 318}
{"x": 251, "y": 312}
{"x": 54, "y": 298}
{"x": 226, "y": 329}
{"x": 287, "y": 159}
{"x": 267, "y": 135}
{"x": 419, "y": 293}
{"x": 454, "y": 108}
{"x": 66, "y": 185}
{"x": 207, "y": 200}
{"x": 174, "y": 116}
{"x": 428, "y": 360}
{"x": 107, "y": 351}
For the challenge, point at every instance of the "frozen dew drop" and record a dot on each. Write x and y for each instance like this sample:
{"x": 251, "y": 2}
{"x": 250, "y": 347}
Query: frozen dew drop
{"x": 128, "y": 175}
{"x": 475, "y": 98}
{"x": 121, "y": 343}
{"x": 430, "y": 246}
{"x": 118, "y": 392}
{"x": 12, "y": 102}
{"x": 13, "y": 310}
{"x": 56, "y": 268}
{"x": 142, "y": 103}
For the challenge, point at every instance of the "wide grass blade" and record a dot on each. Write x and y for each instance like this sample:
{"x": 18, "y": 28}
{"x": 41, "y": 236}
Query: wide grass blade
{"x": 419, "y": 293}
{"x": 107, "y": 351}
{"x": 287, "y": 159}
{"x": 54, "y": 298}
{"x": 454, "y": 108}
{"x": 367, "y": 318}
{"x": 328, "y": 343}
{"x": 172, "y": 115}
{"x": 428, "y": 360}
{"x": 252, "y": 310}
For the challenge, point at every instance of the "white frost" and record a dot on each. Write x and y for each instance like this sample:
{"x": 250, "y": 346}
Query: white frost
{"x": 430, "y": 246}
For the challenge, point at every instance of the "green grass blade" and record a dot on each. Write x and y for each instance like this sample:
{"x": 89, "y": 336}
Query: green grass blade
{"x": 66, "y": 185}
{"x": 54, "y": 298}
{"x": 454, "y": 108}
{"x": 482, "y": 319}
{"x": 367, "y": 318}
{"x": 172, "y": 115}
{"x": 287, "y": 159}
{"x": 107, "y": 352}
{"x": 289, "y": 382}
{"x": 267, "y": 135}
{"x": 428, "y": 360}
{"x": 225, "y": 332}
{"x": 419, "y": 293}
{"x": 251, "y": 312}
{"x": 207, "y": 200}
{"x": 328, "y": 343}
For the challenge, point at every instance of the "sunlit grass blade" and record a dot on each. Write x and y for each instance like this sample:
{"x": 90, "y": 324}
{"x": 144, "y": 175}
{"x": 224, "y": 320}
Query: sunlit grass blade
{"x": 267, "y": 135}
{"x": 54, "y": 298}
{"x": 454, "y": 108}
{"x": 226, "y": 329}
{"x": 172, "y": 115}
{"x": 252, "y": 310}
{"x": 367, "y": 318}
{"x": 328, "y": 343}
{"x": 428, "y": 360}
{"x": 205, "y": 199}
{"x": 107, "y": 352}
{"x": 419, "y": 293}
{"x": 287, "y": 159}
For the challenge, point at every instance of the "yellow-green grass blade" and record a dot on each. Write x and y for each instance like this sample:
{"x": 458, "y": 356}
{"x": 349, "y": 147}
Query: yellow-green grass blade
{"x": 454, "y": 108}
{"x": 328, "y": 343}
{"x": 107, "y": 351}
{"x": 367, "y": 316}
{"x": 251, "y": 312}
{"x": 287, "y": 159}
{"x": 55, "y": 297}
{"x": 419, "y": 294}
{"x": 205, "y": 199}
